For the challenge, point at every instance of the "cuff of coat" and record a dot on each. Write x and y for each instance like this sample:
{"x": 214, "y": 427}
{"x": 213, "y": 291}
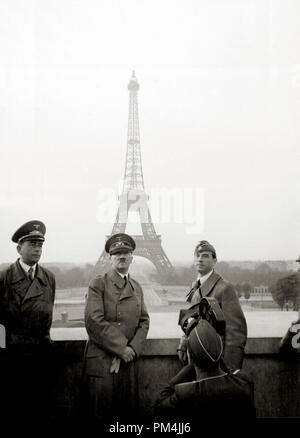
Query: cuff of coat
{"x": 136, "y": 348}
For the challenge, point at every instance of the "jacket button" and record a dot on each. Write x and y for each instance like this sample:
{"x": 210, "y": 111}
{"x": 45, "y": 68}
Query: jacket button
{"x": 119, "y": 323}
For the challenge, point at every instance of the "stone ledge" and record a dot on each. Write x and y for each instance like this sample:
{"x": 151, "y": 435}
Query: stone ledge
{"x": 167, "y": 347}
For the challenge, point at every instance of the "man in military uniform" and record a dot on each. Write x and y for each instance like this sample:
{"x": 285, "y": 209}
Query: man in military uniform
{"x": 213, "y": 397}
{"x": 26, "y": 305}
{"x": 117, "y": 323}
{"x": 210, "y": 284}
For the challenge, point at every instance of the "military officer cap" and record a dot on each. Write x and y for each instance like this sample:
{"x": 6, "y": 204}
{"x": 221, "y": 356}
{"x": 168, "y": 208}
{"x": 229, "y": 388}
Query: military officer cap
{"x": 119, "y": 242}
{"x": 204, "y": 245}
{"x": 32, "y": 230}
{"x": 205, "y": 344}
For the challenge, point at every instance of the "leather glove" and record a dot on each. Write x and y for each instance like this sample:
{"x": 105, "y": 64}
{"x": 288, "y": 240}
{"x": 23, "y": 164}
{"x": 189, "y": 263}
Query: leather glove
{"x": 115, "y": 365}
{"x": 182, "y": 350}
{"x": 128, "y": 354}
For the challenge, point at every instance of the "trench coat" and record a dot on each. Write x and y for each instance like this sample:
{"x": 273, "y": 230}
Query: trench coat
{"x": 115, "y": 317}
{"x": 236, "y": 327}
{"x": 26, "y": 308}
{"x": 26, "y": 313}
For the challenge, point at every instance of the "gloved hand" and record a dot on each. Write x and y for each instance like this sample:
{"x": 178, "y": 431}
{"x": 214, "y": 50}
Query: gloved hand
{"x": 115, "y": 365}
{"x": 128, "y": 354}
{"x": 182, "y": 350}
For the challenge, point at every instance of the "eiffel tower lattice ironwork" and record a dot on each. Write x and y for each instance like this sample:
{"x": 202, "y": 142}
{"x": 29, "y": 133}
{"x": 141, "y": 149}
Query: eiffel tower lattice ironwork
{"x": 134, "y": 198}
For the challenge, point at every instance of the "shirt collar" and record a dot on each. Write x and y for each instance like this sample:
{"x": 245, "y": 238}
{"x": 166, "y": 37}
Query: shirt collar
{"x": 27, "y": 267}
{"x": 122, "y": 275}
{"x": 204, "y": 277}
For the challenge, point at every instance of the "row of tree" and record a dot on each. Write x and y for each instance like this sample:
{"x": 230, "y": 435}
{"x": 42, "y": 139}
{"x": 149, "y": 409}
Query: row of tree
{"x": 77, "y": 276}
{"x": 284, "y": 286}
{"x": 243, "y": 289}
{"x": 263, "y": 274}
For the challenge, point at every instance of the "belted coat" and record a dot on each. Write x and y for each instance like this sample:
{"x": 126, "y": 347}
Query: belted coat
{"x": 236, "y": 327}
{"x": 26, "y": 370}
{"x": 115, "y": 317}
{"x": 26, "y": 307}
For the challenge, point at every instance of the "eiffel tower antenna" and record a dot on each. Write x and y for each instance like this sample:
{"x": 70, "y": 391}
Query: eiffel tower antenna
{"x": 134, "y": 198}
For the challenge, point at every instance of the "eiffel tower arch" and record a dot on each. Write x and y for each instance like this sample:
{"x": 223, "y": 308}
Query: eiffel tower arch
{"x": 135, "y": 199}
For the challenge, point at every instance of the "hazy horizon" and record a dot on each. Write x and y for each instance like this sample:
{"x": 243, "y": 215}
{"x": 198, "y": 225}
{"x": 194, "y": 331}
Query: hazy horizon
{"x": 147, "y": 263}
{"x": 219, "y": 107}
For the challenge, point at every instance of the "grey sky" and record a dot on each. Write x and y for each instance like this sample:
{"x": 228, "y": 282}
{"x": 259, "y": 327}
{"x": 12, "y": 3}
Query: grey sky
{"x": 219, "y": 107}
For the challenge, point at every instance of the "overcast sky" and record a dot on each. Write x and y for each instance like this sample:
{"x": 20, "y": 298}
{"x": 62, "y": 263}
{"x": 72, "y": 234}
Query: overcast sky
{"x": 219, "y": 107}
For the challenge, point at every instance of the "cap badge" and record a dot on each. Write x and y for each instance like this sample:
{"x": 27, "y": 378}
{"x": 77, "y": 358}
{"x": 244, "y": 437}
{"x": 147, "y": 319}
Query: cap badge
{"x": 34, "y": 232}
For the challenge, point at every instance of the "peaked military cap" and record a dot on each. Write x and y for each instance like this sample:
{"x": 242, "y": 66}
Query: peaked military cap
{"x": 204, "y": 245}
{"x": 119, "y": 242}
{"x": 32, "y": 230}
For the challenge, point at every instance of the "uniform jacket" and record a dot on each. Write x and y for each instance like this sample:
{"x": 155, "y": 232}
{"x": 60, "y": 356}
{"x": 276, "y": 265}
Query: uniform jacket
{"x": 26, "y": 307}
{"x": 236, "y": 327}
{"x": 115, "y": 316}
{"x": 228, "y": 396}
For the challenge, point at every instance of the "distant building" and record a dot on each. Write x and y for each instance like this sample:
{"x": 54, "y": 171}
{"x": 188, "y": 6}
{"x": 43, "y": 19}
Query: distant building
{"x": 261, "y": 290}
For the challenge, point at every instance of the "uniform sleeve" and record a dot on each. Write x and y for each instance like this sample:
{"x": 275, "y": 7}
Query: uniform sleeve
{"x": 236, "y": 329}
{"x": 53, "y": 287}
{"x": 168, "y": 401}
{"x": 142, "y": 330}
{"x": 102, "y": 332}
{"x": 52, "y": 283}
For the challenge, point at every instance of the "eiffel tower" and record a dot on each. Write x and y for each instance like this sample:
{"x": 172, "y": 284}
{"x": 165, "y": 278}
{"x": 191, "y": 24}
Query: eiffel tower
{"x": 134, "y": 198}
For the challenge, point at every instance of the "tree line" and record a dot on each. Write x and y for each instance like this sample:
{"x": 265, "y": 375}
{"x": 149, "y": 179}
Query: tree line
{"x": 263, "y": 274}
{"x": 283, "y": 285}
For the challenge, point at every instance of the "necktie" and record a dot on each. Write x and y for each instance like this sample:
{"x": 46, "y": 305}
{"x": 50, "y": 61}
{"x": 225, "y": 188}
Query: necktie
{"x": 125, "y": 280}
{"x": 199, "y": 287}
{"x": 30, "y": 274}
{"x": 196, "y": 287}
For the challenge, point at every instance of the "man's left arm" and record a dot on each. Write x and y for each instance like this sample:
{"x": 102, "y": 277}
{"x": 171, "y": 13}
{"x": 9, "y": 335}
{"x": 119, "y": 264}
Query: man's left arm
{"x": 236, "y": 328}
{"x": 142, "y": 329}
{"x": 52, "y": 285}
{"x": 167, "y": 400}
